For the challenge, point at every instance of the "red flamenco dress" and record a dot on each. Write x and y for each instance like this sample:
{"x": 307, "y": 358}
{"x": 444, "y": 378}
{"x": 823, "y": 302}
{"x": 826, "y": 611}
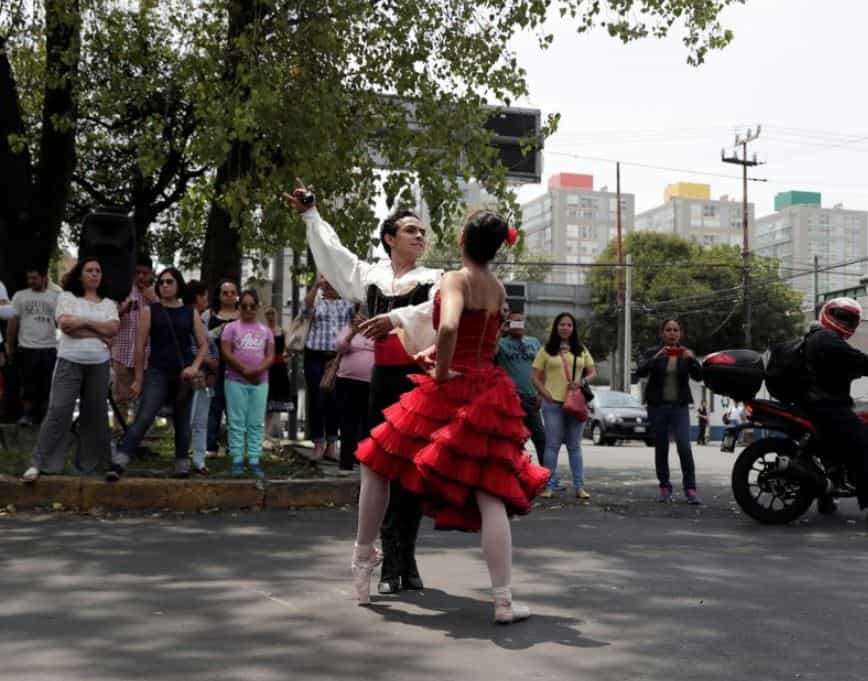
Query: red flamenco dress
{"x": 445, "y": 440}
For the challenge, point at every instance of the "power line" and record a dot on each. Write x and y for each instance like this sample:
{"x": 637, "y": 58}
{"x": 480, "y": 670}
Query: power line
{"x": 650, "y": 166}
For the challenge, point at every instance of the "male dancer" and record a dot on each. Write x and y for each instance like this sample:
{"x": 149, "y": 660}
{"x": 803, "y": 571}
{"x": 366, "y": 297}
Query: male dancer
{"x": 399, "y": 295}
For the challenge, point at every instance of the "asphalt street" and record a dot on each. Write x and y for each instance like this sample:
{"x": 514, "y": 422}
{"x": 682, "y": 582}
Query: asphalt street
{"x": 622, "y": 588}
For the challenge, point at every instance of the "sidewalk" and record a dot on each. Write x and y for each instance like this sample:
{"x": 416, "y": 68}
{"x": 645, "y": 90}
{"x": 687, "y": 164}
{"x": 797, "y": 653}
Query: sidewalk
{"x": 295, "y": 483}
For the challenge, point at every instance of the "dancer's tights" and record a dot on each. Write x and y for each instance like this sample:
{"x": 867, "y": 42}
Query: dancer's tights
{"x": 496, "y": 534}
{"x": 373, "y": 500}
{"x": 496, "y": 539}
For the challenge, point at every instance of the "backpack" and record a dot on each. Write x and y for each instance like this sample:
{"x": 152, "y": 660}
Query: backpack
{"x": 788, "y": 376}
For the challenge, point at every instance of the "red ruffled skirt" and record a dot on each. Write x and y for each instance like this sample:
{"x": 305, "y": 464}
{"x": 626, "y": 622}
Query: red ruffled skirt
{"x": 444, "y": 441}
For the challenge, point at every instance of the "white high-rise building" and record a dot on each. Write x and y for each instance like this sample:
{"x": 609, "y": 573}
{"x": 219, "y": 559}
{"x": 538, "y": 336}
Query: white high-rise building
{"x": 573, "y": 223}
{"x": 689, "y": 211}
{"x": 799, "y": 229}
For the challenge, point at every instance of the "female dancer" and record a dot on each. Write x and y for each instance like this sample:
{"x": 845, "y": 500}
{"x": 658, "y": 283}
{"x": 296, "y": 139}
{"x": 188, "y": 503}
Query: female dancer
{"x": 456, "y": 438}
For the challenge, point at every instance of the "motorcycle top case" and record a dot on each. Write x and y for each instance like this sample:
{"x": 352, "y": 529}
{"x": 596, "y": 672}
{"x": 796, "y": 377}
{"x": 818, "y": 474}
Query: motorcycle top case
{"x": 737, "y": 374}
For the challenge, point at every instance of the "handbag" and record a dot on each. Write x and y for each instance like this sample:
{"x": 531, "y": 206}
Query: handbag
{"x": 186, "y": 386}
{"x": 330, "y": 371}
{"x": 330, "y": 374}
{"x": 574, "y": 403}
{"x": 297, "y": 336}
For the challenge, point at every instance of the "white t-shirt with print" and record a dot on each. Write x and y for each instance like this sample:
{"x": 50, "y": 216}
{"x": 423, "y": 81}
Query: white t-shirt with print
{"x": 84, "y": 350}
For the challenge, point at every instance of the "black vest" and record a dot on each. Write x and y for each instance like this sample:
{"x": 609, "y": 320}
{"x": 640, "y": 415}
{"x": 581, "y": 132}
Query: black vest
{"x": 379, "y": 303}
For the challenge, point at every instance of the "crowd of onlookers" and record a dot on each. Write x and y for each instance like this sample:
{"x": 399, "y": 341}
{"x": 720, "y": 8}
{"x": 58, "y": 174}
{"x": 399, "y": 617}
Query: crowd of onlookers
{"x": 170, "y": 348}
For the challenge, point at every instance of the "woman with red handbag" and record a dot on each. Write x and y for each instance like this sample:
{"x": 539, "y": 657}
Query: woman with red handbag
{"x": 557, "y": 374}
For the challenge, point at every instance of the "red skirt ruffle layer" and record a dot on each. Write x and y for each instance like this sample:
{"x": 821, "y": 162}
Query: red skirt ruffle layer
{"x": 444, "y": 441}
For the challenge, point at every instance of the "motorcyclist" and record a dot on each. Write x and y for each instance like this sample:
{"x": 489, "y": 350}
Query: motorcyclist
{"x": 832, "y": 365}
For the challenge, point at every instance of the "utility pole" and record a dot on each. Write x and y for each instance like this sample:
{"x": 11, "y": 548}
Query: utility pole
{"x": 293, "y": 361}
{"x": 744, "y": 163}
{"x": 620, "y": 351}
{"x": 628, "y": 325}
{"x": 816, "y": 300}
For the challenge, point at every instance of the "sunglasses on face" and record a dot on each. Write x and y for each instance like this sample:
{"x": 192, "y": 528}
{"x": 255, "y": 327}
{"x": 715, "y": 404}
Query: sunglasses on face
{"x": 166, "y": 282}
{"x": 248, "y": 306}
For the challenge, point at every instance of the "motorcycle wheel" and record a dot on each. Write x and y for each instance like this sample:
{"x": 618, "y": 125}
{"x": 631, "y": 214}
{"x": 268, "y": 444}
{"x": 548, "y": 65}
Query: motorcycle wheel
{"x": 761, "y": 491}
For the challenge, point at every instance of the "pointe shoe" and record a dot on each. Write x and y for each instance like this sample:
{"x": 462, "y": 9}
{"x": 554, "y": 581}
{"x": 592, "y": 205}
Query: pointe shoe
{"x": 505, "y": 611}
{"x": 363, "y": 568}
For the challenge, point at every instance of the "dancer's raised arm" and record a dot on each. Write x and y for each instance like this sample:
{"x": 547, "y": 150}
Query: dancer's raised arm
{"x": 345, "y": 271}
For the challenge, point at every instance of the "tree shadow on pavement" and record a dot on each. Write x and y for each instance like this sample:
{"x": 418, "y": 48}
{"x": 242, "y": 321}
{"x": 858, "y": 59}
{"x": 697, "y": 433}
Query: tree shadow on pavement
{"x": 459, "y": 617}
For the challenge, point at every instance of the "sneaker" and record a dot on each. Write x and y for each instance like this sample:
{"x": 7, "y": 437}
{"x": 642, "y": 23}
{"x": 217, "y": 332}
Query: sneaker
{"x": 25, "y": 420}
{"x": 664, "y": 494}
{"x": 692, "y": 499}
{"x": 547, "y": 493}
{"x": 30, "y": 475}
{"x": 237, "y": 469}
{"x": 256, "y": 469}
{"x": 114, "y": 474}
{"x": 582, "y": 494}
{"x": 182, "y": 468}
{"x": 330, "y": 453}
{"x": 317, "y": 453}
{"x": 201, "y": 470}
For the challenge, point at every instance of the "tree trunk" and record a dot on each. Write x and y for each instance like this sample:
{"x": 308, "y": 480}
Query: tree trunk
{"x": 222, "y": 251}
{"x": 34, "y": 203}
{"x": 15, "y": 177}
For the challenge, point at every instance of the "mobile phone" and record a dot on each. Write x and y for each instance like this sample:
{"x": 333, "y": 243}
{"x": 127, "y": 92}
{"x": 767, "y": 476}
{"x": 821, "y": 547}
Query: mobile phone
{"x": 516, "y": 324}
{"x": 674, "y": 352}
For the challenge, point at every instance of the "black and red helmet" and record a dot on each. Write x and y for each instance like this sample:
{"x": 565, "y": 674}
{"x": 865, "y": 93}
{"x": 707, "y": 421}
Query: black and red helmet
{"x": 841, "y": 315}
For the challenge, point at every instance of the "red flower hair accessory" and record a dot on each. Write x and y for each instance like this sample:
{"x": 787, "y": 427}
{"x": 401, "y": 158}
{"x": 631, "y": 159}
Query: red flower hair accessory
{"x": 511, "y": 236}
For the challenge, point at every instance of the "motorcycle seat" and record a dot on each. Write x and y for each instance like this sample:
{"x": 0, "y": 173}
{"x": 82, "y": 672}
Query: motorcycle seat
{"x": 781, "y": 410}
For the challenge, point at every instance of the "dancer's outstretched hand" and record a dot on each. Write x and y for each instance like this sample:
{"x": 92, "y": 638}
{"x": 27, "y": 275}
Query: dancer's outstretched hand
{"x": 450, "y": 374}
{"x": 294, "y": 200}
{"x": 426, "y": 358}
{"x": 376, "y": 327}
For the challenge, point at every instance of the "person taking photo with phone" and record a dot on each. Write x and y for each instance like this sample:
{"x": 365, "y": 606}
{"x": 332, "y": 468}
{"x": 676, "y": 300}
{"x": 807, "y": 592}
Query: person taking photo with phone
{"x": 668, "y": 367}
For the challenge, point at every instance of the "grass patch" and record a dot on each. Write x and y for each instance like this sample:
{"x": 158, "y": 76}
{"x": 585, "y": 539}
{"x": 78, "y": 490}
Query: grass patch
{"x": 283, "y": 463}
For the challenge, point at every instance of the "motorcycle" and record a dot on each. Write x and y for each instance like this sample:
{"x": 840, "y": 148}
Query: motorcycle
{"x": 776, "y": 478}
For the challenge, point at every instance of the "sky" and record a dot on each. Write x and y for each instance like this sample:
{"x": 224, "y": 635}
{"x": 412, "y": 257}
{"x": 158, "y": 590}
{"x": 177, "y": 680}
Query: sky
{"x": 793, "y": 67}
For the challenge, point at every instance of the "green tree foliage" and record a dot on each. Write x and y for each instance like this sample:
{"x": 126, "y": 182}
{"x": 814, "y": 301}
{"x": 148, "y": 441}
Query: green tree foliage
{"x": 199, "y": 114}
{"x": 676, "y": 278}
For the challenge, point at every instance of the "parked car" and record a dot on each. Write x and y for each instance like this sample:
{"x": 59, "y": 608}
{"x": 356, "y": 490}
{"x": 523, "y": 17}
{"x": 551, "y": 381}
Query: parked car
{"x": 617, "y": 416}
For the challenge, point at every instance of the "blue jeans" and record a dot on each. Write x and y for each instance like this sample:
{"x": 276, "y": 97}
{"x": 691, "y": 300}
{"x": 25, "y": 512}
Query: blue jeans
{"x": 199, "y": 425}
{"x": 563, "y": 429}
{"x": 667, "y": 418}
{"x": 159, "y": 387}
{"x": 245, "y": 416}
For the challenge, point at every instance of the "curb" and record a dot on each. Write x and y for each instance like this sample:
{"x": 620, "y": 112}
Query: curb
{"x": 84, "y": 494}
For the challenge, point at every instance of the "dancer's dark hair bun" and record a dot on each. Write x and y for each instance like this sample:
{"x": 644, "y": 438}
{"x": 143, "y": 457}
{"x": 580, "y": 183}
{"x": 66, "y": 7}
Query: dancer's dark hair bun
{"x": 484, "y": 234}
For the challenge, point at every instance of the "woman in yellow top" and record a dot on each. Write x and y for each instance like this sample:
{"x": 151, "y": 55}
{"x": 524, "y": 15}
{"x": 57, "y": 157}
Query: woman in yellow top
{"x": 550, "y": 380}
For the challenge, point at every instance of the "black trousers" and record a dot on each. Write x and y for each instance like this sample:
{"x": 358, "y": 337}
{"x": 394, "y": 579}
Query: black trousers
{"x": 353, "y": 397}
{"x": 702, "y": 437}
{"x": 404, "y": 513}
{"x": 844, "y": 432}
{"x": 36, "y": 368}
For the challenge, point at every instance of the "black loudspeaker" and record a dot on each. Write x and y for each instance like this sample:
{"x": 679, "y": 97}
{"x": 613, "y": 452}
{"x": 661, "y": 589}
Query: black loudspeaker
{"x": 110, "y": 235}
